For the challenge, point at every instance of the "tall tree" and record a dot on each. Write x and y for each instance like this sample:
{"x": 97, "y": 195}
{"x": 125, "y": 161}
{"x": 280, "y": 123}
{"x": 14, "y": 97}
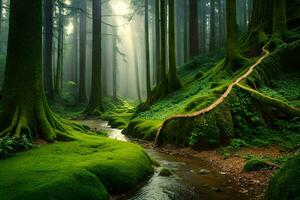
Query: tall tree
{"x": 174, "y": 82}
{"x": 25, "y": 109}
{"x": 185, "y": 31}
{"x": 194, "y": 36}
{"x": 212, "y": 43}
{"x": 279, "y": 19}
{"x": 82, "y": 98}
{"x": 74, "y": 71}
{"x": 95, "y": 101}
{"x": 114, "y": 63}
{"x": 137, "y": 74}
{"x": 60, "y": 27}
{"x": 157, "y": 41}
{"x": 48, "y": 41}
{"x": 147, "y": 46}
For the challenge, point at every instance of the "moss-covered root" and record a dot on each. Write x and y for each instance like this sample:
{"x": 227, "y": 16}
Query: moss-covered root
{"x": 271, "y": 101}
{"x": 42, "y": 121}
{"x": 219, "y": 101}
{"x": 285, "y": 184}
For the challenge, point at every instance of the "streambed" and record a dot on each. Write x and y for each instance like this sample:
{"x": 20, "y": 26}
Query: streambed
{"x": 191, "y": 179}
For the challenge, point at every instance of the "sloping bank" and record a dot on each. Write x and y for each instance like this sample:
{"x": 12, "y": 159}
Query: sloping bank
{"x": 91, "y": 168}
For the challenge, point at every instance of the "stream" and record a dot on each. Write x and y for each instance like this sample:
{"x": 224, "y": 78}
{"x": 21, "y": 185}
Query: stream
{"x": 192, "y": 179}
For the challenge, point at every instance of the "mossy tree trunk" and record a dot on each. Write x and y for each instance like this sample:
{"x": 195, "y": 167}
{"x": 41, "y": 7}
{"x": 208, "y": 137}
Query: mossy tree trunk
{"x": 137, "y": 74}
{"x": 48, "y": 41}
{"x": 25, "y": 109}
{"x": 75, "y": 44}
{"x": 82, "y": 96}
{"x": 174, "y": 82}
{"x": 95, "y": 101}
{"x": 279, "y": 20}
{"x": 232, "y": 44}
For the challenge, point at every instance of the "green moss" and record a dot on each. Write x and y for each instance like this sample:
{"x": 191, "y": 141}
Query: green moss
{"x": 89, "y": 168}
{"x": 258, "y": 164}
{"x": 285, "y": 184}
{"x": 143, "y": 129}
{"x": 165, "y": 172}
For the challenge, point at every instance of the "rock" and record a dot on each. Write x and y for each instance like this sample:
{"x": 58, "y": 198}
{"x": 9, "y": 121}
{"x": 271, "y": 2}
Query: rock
{"x": 165, "y": 172}
{"x": 216, "y": 189}
{"x": 222, "y": 173}
{"x": 204, "y": 171}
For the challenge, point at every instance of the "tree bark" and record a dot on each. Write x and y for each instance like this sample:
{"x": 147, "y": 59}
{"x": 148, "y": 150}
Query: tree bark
{"x": 148, "y": 79}
{"x": 95, "y": 101}
{"x": 48, "y": 42}
{"x": 25, "y": 109}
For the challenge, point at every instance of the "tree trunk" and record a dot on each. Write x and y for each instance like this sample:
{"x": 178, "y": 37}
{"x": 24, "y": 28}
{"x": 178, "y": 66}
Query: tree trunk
{"x": 185, "y": 31}
{"x": 232, "y": 45}
{"x": 58, "y": 74}
{"x": 75, "y": 46}
{"x": 95, "y": 101}
{"x": 279, "y": 19}
{"x": 137, "y": 74}
{"x": 194, "y": 36}
{"x": 25, "y": 109}
{"x": 157, "y": 39}
{"x": 212, "y": 43}
{"x": 148, "y": 79}
{"x": 114, "y": 64}
{"x": 82, "y": 98}
{"x": 174, "y": 82}
{"x": 48, "y": 41}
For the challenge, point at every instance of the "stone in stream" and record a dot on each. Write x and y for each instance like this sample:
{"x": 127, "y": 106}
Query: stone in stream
{"x": 165, "y": 172}
{"x": 204, "y": 171}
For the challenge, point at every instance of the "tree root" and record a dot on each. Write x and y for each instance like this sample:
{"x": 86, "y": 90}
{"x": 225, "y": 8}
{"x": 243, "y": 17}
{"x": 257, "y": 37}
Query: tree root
{"x": 266, "y": 53}
{"x": 41, "y": 122}
{"x": 271, "y": 101}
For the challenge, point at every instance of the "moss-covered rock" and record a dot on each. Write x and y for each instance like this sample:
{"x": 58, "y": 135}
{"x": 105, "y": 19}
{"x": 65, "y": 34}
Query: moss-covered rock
{"x": 258, "y": 164}
{"x": 89, "y": 168}
{"x": 285, "y": 184}
{"x": 165, "y": 172}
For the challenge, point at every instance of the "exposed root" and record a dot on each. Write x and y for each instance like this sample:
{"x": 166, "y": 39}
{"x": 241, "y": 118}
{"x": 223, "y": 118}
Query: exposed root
{"x": 41, "y": 122}
{"x": 266, "y": 53}
{"x": 271, "y": 101}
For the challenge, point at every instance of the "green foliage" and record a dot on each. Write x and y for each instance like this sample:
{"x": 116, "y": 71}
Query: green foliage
{"x": 9, "y": 146}
{"x": 285, "y": 184}
{"x": 232, "y": 148}
{"x": 88, "y": 168}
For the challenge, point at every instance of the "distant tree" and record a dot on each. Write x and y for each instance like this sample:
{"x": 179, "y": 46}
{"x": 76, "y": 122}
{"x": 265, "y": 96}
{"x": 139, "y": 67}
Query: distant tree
{"x": 212, "y": 42}
{"x": 194, "y": 35}
{"x": 174, "y": 82}
{"x": 59, "y": 65}
{"x": 82, "y": 98}
{"x": 95, "y": 101}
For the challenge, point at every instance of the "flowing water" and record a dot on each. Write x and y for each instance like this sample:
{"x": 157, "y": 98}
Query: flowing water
{"x": 192, "y": 179}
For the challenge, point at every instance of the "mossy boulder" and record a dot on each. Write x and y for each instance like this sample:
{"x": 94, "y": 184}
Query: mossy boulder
{"x": 258, "y": 164}
{"x": 285, "y": 184}
{"x": 90, "y": 168}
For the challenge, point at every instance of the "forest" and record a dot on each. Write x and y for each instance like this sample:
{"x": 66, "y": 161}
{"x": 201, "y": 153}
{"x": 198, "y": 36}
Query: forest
{"x": 149, "y": 99}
